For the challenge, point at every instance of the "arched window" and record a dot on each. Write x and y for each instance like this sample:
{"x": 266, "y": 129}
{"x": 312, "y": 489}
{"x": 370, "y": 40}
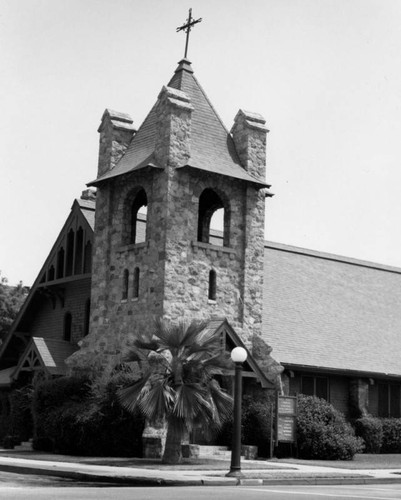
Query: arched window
{"x": 60, "y": 263}
{"x": 88, "y": 257}
{"x": 79, "y": 251}
{"x": 212, "y": 285}
{"x": 87, "y": 317}
{"x": 70, "y": 253}
{"x": 50, "y": 273}
{"x": 135, "y": 288}
{"x": 139, "y": 217}
{"x": 213, "y": 219}
{"x": 124, "y": 294}
{"x": 67, "y": 327}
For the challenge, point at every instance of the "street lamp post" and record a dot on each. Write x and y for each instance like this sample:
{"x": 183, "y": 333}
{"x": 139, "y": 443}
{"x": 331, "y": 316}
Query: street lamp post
{"x": 238, "y": 355}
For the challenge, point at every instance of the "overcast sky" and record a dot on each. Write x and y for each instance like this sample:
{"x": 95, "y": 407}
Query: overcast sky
{"x": 325, "y": 74}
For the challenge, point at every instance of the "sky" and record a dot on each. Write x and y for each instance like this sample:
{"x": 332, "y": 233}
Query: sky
{"x": 325, "y": 74}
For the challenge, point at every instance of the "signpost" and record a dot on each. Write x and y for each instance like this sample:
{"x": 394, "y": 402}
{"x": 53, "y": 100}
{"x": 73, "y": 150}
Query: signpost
{"x": 286, "y": 413}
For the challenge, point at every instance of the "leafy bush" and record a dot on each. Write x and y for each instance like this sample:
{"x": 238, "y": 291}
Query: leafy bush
{"x": 20, "y": 413}
{"x": 256, "y": 421}
{"x": 10, "y": 441}
{"x": 74, "y": 415}
{"x": 4, "y": 426}
{"x": 255, "y": 425}
{"x": 391, "y": 435}
{"x": 323, "y": 432}
{"x": 370, "y": 429}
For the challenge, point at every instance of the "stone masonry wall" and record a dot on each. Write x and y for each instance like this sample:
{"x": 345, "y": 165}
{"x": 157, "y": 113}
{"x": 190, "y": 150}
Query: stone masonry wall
{"x": 174, "y": 266}
{"x": 189, "y": 262}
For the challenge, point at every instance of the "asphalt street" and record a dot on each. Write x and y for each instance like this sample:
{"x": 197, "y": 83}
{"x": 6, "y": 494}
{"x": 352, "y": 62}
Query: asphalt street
{"x": 19, "y": 487}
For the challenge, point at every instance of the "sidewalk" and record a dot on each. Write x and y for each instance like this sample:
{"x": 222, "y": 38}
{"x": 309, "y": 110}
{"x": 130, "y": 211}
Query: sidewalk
{"x": 137, "y": 472}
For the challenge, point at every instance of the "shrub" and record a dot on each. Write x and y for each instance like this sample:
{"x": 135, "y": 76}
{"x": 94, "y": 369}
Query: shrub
{"x": 4, "y": 426}
{"x": 10, "y": 441}
{"x": 20, "y": 417}
{"x": 256, "y": 421}
{"x": 74, "y": 415}
{"x": 323, "y": 432}
{"x": 370, "y": 429}
{"x": 255, "y": 425}
{"x": 391, "y": 435}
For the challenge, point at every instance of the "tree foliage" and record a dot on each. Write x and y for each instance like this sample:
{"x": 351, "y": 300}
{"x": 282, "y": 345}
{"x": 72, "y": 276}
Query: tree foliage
{"x": 11, "y": 300}
{"x": 179, "y": 364}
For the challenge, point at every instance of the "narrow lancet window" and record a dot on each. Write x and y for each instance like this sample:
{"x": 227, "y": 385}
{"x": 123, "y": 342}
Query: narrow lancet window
{"x": 212, "y": 285}
{"x": 124, "y": 295}
{"x": 135, "y": 288}
{"x": 67, "y": 327}
{"x": 79, "y": 251}
{"x": 88, "y": 257}
{"x": 60, "y": 263}
{"x": 50, "y": 273}
{"x": 87, "y": 317}
{"x": 70, "y": 253}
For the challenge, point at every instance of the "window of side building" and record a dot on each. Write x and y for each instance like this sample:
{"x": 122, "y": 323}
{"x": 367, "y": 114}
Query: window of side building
{"x": 389, "y": 401}
{"x": 315, "y": 386}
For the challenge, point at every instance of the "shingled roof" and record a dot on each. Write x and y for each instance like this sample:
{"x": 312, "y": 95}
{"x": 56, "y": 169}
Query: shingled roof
{"x": 331, "y": 312}
{"x": 212, "y": 147}
{"x": 45, "y": 354}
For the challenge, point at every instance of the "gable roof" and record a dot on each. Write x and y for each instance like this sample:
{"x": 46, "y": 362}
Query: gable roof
{"x": 331, "y": 312}
{"x": 230, "y": 339}
{"x": 45, "y": 354}
{"x": 87, "y": 208}
{"x": 82, "y": 212}
{"x": 212, "y": 147}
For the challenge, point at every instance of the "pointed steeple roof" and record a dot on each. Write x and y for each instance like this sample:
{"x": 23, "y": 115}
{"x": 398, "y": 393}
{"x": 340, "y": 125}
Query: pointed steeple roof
{"x": 211, "y": 149}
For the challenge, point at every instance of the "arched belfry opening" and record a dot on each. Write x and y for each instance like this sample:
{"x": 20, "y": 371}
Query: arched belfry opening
{"x": 213, "y": 219}
{"x": 139, "y": 217}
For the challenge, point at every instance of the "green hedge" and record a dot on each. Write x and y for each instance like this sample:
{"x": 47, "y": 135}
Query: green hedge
{"x": 323, "y": 432}
{"x": 20, "y": 418}
{"x": 391, "y": 435}
{"x": 381, "y": 435}
{"x": 255, "y": 425}
{"x": 74, "y": 415}
{"x": 370, "y": 429}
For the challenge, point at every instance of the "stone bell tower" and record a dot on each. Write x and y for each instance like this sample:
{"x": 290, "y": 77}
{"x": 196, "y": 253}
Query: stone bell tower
{"x": 158, "y": 189}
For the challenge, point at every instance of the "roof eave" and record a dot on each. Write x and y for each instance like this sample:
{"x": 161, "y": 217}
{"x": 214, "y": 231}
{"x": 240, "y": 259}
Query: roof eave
{"x": 141, "y": 166}
{"x": 339, "y": 371}
{"x": 247, "y": 178}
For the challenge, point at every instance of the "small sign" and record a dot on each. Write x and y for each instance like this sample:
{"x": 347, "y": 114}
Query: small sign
{"x": 286, "y": 429}
{"x": 286, "y": 419}
{"x": 287, "y": 405}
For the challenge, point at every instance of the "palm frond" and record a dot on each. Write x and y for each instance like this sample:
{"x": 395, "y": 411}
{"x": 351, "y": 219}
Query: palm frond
{"x": 222, "y": 402}
{"x": 189, "y": 400}
{"x": 128, "y": 396}
{"x": 157, "y": 401}
{"x": 192, "y": 332}
{"x": 167, "y": 334}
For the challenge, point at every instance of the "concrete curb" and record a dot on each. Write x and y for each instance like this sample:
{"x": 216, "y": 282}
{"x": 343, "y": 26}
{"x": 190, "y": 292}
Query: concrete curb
{"x": 201, "y": 481}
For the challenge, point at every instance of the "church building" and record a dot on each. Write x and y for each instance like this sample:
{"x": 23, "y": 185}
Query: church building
{"x": 140, "y": 243}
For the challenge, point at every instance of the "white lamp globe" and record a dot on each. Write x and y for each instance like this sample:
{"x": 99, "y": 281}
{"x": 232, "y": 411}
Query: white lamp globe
{"x": 238, "y": 355}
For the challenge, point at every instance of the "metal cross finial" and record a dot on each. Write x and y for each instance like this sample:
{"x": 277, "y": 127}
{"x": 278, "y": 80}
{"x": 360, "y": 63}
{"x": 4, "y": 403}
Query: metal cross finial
{"x": 187, "y": 28}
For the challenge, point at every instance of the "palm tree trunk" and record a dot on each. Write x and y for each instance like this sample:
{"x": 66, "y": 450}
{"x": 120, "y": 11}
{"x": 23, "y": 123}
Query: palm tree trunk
{"x": 172, "y": 451}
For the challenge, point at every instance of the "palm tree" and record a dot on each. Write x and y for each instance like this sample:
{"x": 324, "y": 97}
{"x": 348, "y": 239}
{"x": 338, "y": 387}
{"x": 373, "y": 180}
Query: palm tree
{"x": 179, "y": 363}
